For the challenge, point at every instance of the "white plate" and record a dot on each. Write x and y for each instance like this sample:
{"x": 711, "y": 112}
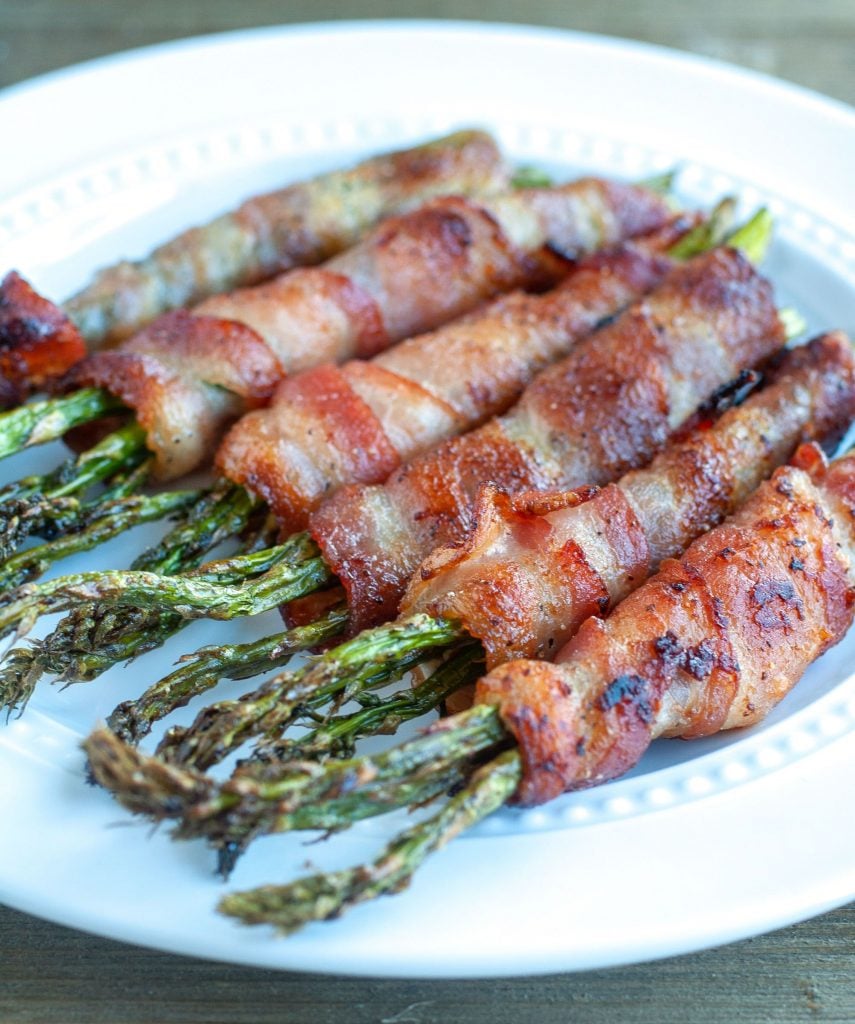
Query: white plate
{"x": 704, "y": 842}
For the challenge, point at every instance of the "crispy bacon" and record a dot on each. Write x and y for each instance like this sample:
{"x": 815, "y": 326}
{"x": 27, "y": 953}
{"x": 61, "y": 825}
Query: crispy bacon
{"x": 601, "y": 411}
{"x": 536, "y": 565}
{"x": 356, "y": 424}
{"x": 714, "y": 641}
{"x": 38, "y": 342}
{"x": 410, "y": 274}
{"x": 302, "y": 224}
{"x": 184, "y": 376}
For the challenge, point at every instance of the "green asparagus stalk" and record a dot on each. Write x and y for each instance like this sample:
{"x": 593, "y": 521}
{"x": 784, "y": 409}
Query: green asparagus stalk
{"x": 267, "y": 797}
{"x": 527, "y": 176}
{"x": 708, "y": 234}
{"x": 192, "y": 595}
{"x": 115, "y": 453}
{"x": 754, "y": 236}
{"x": 223, "y": 512}
{"x": 40, "y": 422}
{"x": 372, "y": 659}
{"x": 44, "y": 504}
{"x": 324, "y": 896}
{"x": 337, "y": 736}
{"x": 93, "y": 638}
{"x": 111, "y": 520}
{"x": 198, "y": 672}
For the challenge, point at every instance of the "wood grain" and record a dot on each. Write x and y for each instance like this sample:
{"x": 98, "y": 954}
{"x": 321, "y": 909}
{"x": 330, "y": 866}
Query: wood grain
{"x": 804, "y": 973}
{"x": 808, "y": 42}
{"x": 799, "y": 974}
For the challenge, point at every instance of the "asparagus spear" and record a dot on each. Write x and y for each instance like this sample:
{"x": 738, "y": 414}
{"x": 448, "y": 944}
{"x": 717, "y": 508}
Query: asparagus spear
{"x": 265, "y": 797}
{"x": 337, "y": 735}
{"x": 40, "y": 422}
{"x": 349, "y": 669}
{"x": 119, "y": 516}
{"x": 197, "y": 594}
{"x": 223, "y": 511}
{"x": 325, "y": 896}
{"x": 152, "y": 786}
{"x": 198, "y": 672}
{"x": 43, "y": 504}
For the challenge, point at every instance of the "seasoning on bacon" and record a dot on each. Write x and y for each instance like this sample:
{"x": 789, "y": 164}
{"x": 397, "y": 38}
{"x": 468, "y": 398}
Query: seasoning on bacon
{"x": 603, "y": 410}
{"x": 359, "y": 422}
{"x": 536, "y": 565}
{"x": 410, "y": 274}
{"x": 714, "y": 641}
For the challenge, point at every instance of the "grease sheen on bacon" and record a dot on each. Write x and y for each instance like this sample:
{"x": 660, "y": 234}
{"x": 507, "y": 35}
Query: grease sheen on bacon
{"x": 410, "y": 274}
{"x": 536, "y": 565}
{"x": 713, "y": 641}
{"x": 603, "y": 410}
{"x": 357, "y": 423}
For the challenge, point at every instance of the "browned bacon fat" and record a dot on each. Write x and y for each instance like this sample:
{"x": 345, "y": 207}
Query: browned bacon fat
{"x": 302, "y": 224}
{"x": 536, "y": 565}
{"x": 410, "y": 274}
{"x": 38, "y": 342}
{"x": 357, "y": 423}
{"x": 712, "y": 642}
{"x": 601, "y": 411}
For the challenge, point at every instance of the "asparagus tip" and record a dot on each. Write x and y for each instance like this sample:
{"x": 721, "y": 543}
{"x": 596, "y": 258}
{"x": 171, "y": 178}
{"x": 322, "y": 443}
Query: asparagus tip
{"x": 661, "y": 183}
{"x": 17, "y": 681}
{"x": 793, "y": 322}
{"x": 145, "y": 785}
{"x": 289, "y": 907}
{"x": 754, "y": 237}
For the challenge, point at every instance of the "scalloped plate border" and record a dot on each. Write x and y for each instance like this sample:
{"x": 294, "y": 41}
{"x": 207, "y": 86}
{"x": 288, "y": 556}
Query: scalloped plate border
{"x": 750, "y": 758}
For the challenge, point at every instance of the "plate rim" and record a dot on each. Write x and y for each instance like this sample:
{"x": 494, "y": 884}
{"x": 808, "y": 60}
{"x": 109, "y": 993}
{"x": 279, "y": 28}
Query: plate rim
{"x": 468, "y": 27}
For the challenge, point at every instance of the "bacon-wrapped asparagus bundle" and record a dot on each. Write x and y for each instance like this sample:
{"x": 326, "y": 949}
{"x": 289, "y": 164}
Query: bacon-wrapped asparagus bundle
{"x": 189, "y": 374}
{"x": 355, "y": 423}
{"x": 358, "y": 422}
{"x": 300, "y": 225}
{"x": 713, "y": 641}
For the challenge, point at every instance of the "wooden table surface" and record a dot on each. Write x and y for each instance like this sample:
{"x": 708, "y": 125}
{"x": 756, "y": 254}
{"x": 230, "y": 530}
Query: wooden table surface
{"x": 802, "y": 973}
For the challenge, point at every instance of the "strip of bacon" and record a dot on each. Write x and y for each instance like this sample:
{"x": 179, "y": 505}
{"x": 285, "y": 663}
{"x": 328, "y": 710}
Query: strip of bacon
{"x": 603, "y": 410}
{"x": 359, "y": 422}
{"x": 410, "y": 274}
{"x": 537, "y": 565}
{"x": 714, "y": 641}
{"x": 38, "y": 342}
